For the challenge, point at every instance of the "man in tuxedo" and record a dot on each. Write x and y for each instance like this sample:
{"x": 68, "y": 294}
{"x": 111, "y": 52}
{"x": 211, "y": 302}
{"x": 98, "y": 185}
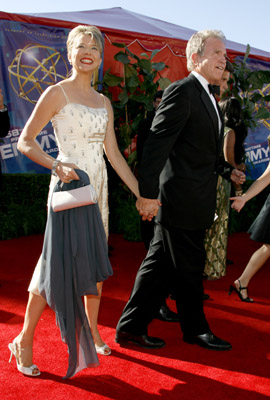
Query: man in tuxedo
{"x": 179, "y": 171}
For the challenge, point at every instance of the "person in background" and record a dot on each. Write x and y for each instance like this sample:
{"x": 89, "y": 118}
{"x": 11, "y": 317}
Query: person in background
{"x": 180, "y": 165}
{"x": 84, "y": 127}
{"x": 216, "y": 238}
{"x": 4, "y": 117}
{"x": 4, "y": 124}
{"x": 223, "y": 83}
{"x": 147, "y": 227}
{"x": 223, "y": 87}
{"x": 260, "y": 232}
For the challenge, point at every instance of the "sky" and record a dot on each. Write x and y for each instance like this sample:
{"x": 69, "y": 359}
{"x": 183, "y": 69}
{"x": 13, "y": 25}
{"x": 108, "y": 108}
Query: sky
{"x": 242, "y": 21}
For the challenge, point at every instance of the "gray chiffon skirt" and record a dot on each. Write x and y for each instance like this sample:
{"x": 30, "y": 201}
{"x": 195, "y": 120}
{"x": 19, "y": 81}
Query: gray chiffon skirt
{"x": 74, "y": 258}
{"x": 260, "y": 229}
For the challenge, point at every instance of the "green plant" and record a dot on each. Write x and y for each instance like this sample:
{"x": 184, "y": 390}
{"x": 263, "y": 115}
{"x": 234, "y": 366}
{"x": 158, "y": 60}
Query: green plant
{"x": 132, "y": 95}
{"x": 124, "y": 217}
{"x": 246, "y": 85}
{"x": 23, "y": 204}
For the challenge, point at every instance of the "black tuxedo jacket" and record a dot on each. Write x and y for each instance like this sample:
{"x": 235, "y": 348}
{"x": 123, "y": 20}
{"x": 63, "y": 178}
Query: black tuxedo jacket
{"x": 181, "y": 158}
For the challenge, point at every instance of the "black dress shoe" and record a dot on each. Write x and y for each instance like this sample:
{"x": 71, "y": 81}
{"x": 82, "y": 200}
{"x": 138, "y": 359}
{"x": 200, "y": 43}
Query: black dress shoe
{"x": 208, "y": 341}
{"x": 205, "y": 296}
{"x": 147, "y": 342}
{"x": 165, "y": 314}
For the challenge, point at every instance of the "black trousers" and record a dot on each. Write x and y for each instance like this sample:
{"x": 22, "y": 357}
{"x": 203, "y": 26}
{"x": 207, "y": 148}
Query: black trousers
{"x": 176, "y": 259}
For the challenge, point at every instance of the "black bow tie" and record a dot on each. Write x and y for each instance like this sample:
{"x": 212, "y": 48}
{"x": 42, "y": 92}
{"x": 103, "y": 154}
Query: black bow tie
{"x": 214, "y": 89}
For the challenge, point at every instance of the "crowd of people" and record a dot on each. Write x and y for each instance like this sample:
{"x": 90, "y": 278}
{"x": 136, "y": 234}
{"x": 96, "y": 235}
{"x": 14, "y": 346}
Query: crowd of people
{"x": 190, "y": 149}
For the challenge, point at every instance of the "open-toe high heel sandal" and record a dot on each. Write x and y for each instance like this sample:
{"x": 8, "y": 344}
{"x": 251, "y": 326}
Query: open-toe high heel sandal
{"x": 30, "y": 371}
{"x": 238, "y": 291}
{"x": 104, "y": 350}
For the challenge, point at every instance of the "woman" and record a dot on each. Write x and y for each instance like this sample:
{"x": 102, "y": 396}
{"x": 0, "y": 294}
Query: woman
{"x": 83, "y": 124}
{"x": 235, "y": 135}
{"x": 260, "y": 232}
{"x": 216, "y": 237}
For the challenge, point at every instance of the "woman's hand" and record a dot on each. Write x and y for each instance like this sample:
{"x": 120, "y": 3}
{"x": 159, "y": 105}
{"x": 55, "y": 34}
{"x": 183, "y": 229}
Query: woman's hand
{"x": 66, "y": 173}
{"x": 238, "y": 203}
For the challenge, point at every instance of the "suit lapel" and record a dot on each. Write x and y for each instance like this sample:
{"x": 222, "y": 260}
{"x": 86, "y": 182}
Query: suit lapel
{"x": 211, "y": 110}
{"x": 209, "y": 106}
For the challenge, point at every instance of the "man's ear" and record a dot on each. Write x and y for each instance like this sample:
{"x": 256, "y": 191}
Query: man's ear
{"x": 195, "y": 58}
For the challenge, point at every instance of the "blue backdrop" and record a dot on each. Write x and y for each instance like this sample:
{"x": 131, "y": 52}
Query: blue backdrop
{"x": 32, "y": 58}
{"x": 256, "y": 144}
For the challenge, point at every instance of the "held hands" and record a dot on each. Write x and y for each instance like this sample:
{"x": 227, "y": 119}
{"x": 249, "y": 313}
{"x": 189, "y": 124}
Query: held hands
{"x": 66, "y": 173}
{"x": 148, "y": 208}
{"x": 238, "y": 177}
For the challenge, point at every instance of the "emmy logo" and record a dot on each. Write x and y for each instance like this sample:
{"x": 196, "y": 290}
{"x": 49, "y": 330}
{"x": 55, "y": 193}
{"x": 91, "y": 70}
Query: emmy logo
{"x": 34, "y": 68}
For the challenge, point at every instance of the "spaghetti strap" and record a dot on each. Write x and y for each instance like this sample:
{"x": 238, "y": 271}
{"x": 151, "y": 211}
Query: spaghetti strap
{"x": 104, "y": 104}
{"x": 66, "y": 97}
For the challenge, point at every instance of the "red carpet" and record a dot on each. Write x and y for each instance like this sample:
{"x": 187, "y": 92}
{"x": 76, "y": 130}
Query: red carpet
{"x": 177, "y": 372}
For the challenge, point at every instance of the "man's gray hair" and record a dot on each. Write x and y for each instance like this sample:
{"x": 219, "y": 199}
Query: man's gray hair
{"x": 196, "y": 44}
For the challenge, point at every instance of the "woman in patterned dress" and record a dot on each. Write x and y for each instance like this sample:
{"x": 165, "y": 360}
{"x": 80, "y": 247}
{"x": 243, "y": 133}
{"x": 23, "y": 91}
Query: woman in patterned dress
{"x": 216, "y": 237}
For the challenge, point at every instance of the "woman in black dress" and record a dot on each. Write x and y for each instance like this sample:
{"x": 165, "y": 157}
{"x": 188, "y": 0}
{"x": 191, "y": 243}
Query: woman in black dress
{"x": 260, "y": 231}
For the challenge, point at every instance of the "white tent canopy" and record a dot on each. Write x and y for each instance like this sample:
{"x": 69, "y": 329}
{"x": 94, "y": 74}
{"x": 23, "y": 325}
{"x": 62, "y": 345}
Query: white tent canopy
{"x": 117, "y": 18}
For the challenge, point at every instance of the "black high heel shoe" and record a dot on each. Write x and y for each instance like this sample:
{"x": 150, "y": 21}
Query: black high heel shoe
{"x": 233, "y": 289}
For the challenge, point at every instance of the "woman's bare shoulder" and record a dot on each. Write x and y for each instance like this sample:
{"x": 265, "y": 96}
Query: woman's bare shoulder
{"x": 106, "y": 101}
{"x": 54, "y": 95}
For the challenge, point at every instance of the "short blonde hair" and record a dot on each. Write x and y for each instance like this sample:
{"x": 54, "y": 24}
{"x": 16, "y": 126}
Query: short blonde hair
{"x": 196, "y": 44}
{"x": 93, "y": 31}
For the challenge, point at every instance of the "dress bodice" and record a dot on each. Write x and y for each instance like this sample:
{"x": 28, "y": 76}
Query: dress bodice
{"x": 78, "y": 127}
{"x": 80, "y": 133}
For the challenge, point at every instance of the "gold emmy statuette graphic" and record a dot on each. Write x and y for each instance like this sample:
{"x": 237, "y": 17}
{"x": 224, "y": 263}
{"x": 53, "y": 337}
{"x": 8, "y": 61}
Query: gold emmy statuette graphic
{"x": 34, "y": 68}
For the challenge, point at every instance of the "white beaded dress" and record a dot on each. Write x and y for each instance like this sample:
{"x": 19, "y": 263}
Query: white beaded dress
{"x": 80, "y": 132}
